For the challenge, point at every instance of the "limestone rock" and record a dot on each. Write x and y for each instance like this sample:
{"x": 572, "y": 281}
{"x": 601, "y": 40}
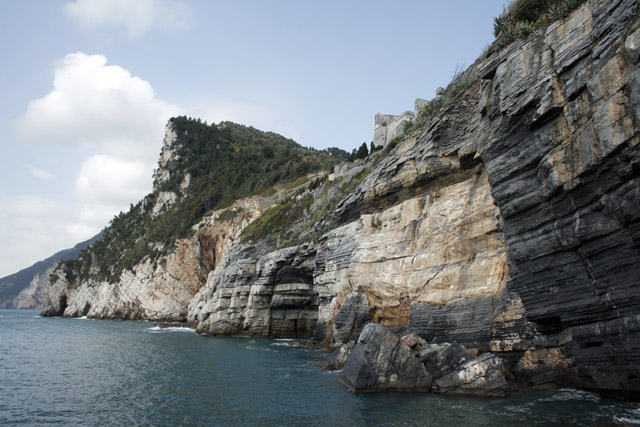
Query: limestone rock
{"x": 482, "y": 376}
{"x": 417, "y": 345}
{"x": 383, "y": 362}
{"x": 269, "y": 296}
{"x": 32, "y": 297}
{"x": 509, "y": 223}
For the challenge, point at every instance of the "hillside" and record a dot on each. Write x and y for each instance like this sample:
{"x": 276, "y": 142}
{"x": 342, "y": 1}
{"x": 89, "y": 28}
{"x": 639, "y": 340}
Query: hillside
{"x": 504, "y": 216}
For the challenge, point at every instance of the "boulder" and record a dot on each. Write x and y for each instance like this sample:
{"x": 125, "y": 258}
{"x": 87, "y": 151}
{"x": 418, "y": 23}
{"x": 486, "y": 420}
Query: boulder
{"x": 381, "y": 361}
{"x": 482, "y": 376}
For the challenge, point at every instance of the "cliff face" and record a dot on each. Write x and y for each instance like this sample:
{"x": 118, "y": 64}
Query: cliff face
{"x": 510, "y": 223}
{"x": 559, "y": 125}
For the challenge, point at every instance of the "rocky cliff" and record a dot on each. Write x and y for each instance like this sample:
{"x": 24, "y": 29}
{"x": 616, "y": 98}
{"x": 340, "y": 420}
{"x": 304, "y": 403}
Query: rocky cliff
{"x": 509, "y": 222}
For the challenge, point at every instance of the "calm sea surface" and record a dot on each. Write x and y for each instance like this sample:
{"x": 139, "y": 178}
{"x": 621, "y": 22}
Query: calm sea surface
{"x": 98, "y": 372}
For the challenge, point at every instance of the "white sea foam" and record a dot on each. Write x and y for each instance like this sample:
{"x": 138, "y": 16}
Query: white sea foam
{"x": 82, "y": 318}
{"x": 631, "y": 416}
{"x": 565, "y": 394}
{"x": 283, "y": 344}
{"x": 171, "y": 328}
{"x": 285, "y": 339}
{"x": 520, "y": 409}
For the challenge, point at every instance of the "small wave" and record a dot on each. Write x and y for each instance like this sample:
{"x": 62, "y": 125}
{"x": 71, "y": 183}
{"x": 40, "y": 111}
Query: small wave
{"x": 156, "y": 329}
{"x": 632, "y": 421}
{"x": 632, "y": 416}
{"x": 520, "y": 409}
{"x": 285, "y": 339}
{"x": 82, "y": 318}
{"x": 571, "y": 394}
{"x": 283, "y": 344}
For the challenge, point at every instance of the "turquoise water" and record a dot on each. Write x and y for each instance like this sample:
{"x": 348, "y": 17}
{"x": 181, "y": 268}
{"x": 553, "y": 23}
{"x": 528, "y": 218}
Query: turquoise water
{"x": 99, "y": 372}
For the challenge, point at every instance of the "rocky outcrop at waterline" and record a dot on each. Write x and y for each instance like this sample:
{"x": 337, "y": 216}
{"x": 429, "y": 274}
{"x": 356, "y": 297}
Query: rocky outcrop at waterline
{"x": 508, "y": 223}
{"x": 381, "y": 361}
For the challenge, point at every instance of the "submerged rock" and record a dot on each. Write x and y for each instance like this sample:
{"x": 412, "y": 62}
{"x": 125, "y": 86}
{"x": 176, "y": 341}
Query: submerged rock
{"x": 381, "y": 361}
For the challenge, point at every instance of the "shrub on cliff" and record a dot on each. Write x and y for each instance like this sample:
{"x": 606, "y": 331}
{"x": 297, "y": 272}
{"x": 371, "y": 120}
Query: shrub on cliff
{"x": 521, "y": 17}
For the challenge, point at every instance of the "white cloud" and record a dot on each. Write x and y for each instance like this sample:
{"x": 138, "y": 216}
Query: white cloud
{"x": 97, "y": 105}
{"x": 41, "y": 174}
{"x": 108, "y": 180}
{"x": 135, "y": 17}
{"x": 104, "y": 187}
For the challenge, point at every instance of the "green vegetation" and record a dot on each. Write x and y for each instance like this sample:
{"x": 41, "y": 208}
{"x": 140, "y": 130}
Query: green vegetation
{"x": 225, "y": 162}
{"x": 293, "y": 221}
{"x": 521, "y": 17}
{"x": 361, "y": 153}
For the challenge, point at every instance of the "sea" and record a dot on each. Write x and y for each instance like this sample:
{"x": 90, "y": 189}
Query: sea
{"x": 60, "y": 371}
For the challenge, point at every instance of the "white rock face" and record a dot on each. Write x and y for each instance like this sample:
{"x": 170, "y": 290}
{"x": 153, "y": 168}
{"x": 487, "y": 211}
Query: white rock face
{"x": 164, "y": 201}
{"x": 166, "y": 155}
{"x": 431, "y": 249}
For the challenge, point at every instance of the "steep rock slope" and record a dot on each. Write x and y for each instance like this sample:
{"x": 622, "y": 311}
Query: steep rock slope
{"x": 559, "y": 136}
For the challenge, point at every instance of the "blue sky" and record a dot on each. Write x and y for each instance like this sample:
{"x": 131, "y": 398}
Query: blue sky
{"x": 88, "y": 85}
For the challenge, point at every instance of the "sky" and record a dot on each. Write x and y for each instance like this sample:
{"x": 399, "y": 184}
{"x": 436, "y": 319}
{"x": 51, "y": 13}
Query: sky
{"x": 87, "y": 87}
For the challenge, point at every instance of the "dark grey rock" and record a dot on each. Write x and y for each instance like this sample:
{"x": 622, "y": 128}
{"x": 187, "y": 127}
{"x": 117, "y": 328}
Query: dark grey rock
{"x": 415, "y": 343}
{"x": 482, "y": 376}
{"x": 383, "y": 362}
